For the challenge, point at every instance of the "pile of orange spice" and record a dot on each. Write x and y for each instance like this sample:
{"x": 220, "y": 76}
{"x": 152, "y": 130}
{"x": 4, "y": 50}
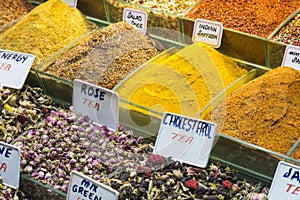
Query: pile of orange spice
{"x": 264, "y": 112}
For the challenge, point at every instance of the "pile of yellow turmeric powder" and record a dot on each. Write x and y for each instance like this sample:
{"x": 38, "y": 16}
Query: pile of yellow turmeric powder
{"x": 45, "y": 29}
{"x": 182, "y": 83}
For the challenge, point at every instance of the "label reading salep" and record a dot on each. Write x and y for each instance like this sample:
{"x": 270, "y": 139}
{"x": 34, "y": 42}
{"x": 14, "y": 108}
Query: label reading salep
{"x": 82, "y": 187}
{"x": 292, "y": 57}
{"x": 14, "y": 68}
{"x": 185, "y": 139}
{"x": 72, "y": 3}
{"x": 286, "y": 182}
{"x": 10, "y": 165}
{"x": 208, "y": 32}
{"x": 136, "y": 18}
{"x": 100, "y": 104}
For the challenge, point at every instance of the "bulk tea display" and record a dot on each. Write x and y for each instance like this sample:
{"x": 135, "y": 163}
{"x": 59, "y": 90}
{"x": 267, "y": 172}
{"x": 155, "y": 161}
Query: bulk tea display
{"x": 182, "y": 83}
{"x": 264, "y": 112}
{"x": 257, "y": 17}
{"x": 290, "y": 34}
{"x": 46, "y": 29}
{"x": 106, "y": 56}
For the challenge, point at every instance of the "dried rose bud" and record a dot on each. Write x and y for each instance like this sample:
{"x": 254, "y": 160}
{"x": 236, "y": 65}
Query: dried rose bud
{"x": 227, "y": 184}
{"x": 155, "y": 158}
{"x": 192, "y": 184}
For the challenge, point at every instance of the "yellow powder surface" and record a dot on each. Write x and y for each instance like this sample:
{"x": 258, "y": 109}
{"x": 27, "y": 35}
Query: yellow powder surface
{"x": 264, "y": 112}
{"x": 46, "y": 29}
{"x": 182, "y": 83}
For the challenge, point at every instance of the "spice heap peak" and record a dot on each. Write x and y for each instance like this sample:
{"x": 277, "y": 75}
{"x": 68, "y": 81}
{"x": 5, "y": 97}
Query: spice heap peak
{"x": 46, "y": 29}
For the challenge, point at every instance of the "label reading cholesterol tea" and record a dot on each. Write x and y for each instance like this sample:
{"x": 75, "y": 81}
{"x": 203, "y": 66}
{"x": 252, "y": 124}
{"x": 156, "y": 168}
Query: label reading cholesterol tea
{"x": 136, "y": 18}
{"x": 185, "y": 139}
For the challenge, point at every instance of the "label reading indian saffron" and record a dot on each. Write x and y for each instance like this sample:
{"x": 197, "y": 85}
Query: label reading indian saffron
{"x": 72, "y": 3}
{"x": 82, "y": 187}
{"x": 10, "y": 165}
{"x": 292, "y": 57}
{"x": 208, "y": 32}
{"x": 185, "y": 139}
{"x": 286, "y": 182}
{"x": 136, "y": 18}
{"x": 99, "y": 103}
{"x": 14, "y": 68}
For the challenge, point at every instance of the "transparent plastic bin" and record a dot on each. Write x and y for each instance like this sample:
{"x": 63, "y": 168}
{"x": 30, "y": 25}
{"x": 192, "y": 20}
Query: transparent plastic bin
{"x": 235, "y": 44}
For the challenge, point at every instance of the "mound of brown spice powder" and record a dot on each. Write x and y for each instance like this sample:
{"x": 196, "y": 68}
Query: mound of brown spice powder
{"x": 264, "y": 112}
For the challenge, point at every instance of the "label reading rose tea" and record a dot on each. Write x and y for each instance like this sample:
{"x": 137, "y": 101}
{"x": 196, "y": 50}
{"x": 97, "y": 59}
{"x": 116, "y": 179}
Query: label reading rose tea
{"x": 208, "y": 32}
{"x": 136, "y": 18}
{"x": 286, "y": 182}
{"x": 10, "y": 165}
{"x": 292, "y": 57}
{"x": 82, "y": 187}
{"x": 72, "y": 3}
{"x": 100, "y": 104}
{"x": 185, "y": 139}
{"x": 14, "y": 68}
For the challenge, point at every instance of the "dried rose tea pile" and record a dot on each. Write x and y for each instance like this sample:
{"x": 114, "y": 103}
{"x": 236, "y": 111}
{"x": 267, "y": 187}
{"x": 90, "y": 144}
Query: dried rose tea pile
{"x": 107, "y": 56}
{"x": 163, "y": 178}
{"x": 21, "y": 110}
{"x": 66, "y": 141}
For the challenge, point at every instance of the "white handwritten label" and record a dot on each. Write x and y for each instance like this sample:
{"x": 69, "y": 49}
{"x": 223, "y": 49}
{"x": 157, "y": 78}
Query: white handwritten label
{"x": 82, "y": 187}
{"x": 10, "y": 165}
{"x": 286, "y": 182}
{"x": 185, "y": 139}
{"x": 72, "y": 3}
{"x": 136, "y": 18}
{"x": 292, "y": 57}
{"x": 100, "y": 104}
{"x": 208, "y": 32}
{"x": 14, "y": 68}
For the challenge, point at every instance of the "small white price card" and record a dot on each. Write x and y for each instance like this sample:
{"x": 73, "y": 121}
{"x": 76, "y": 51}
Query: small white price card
{"x": 10, "y": 165}
{"x": 100, "y": 104}
{"x": 208, "y": 32}
{"x": 82, "y": 187}
{"x": 292, "y": 57}
{"x": 136, "y": 18}
{"x": 185, "y": 139}
{"x": 286, "y": 182}
{"x": 72, "y": 3}
{"x": 14, "y": 68}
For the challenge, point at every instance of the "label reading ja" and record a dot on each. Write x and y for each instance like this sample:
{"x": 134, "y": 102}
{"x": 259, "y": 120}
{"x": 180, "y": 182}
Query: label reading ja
{"x": 100, "y": 104}
{"x": 185, "y": 139}
{"x": 10, "y": 165}
{"x": 286, "y": 182}
{"x": 208, "y": 32}
{"x": 136, "y": 18}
